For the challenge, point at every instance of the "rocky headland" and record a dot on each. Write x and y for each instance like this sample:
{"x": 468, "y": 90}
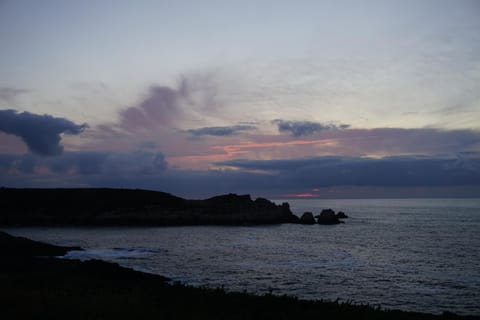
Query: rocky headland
{"x": 134, "y": 207}
{"x": 102, "y": 207}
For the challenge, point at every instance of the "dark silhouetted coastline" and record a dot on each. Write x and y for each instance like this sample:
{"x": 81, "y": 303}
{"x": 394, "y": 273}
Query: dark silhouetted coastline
{"x": 106, "y": 207}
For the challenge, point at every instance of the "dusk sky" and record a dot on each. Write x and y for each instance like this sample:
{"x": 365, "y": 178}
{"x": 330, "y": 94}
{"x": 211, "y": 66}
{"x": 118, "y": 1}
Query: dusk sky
{"x": 272, "y": 98}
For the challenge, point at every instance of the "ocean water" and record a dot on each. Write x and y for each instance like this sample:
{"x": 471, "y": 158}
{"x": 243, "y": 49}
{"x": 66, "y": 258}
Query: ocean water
{"x": 408, "y": 254}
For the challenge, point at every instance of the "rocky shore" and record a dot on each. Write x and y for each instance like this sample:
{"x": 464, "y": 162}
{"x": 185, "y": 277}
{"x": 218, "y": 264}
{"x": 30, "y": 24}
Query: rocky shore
{"x": 36, "y": 285}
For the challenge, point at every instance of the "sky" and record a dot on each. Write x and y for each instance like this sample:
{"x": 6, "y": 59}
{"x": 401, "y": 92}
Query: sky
{"x": 279, "y": 99}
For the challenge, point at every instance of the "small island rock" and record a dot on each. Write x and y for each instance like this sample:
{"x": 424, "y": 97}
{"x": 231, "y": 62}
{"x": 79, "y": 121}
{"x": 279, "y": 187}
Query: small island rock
{"x": 327, "y": 216}
{"x": 307, "y": 218}
{"x": 341, "y": 215}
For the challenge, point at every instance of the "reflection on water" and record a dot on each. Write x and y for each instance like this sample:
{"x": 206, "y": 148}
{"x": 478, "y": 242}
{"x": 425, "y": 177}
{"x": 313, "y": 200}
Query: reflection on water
{"x": 419, "y": 255}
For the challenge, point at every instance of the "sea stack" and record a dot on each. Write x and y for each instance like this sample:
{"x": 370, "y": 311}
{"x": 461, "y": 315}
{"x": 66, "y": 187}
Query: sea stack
{"x": 341, "y": 215}
{"x": 307, "y": 218}
{"x": 327, "y": 216}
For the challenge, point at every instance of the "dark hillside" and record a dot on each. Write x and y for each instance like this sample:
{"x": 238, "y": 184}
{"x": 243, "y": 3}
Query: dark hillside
{"x": 55, "y": 201}
{"x": 132, "y": 207}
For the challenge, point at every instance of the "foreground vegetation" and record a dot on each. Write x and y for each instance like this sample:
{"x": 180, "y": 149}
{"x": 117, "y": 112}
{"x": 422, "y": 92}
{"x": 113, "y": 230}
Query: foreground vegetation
{"x": 52, "y": 288}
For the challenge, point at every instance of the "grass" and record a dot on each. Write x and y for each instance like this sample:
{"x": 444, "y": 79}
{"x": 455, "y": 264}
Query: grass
{"x": 63, "y": 289}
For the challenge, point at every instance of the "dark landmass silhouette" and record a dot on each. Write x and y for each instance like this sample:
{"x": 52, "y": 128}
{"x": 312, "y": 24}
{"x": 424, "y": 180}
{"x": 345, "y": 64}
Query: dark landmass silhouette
{"x": 97, "y": 207}
{"x": 45, "y": 287}
{"x": 20, "y": 246}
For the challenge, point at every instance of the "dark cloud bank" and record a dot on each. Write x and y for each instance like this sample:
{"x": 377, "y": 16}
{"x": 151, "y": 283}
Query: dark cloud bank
{"x": 41, "y": 133}
{"x": 270, "y": 177}
{"x": 390, "y": 171}
{"x": 87, "y": 167}
{"x": 305, "y": 128}
{"x": 220, "y": 131}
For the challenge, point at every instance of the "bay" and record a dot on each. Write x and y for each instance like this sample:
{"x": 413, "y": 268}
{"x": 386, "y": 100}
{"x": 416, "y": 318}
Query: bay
{"x": 409, "y": 254}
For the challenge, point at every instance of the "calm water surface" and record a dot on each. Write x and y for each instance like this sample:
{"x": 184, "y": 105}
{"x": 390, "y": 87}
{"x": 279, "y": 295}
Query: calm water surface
{"x": 409, "y": 254}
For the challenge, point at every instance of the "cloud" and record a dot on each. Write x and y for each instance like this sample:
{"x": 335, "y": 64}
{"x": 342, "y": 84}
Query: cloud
{"x": 41, "y": 133}
{"x": 8, "y": 94}
{"x": 85, "y": 164}
{"x": 165, "y": 106}
{"x": 220, "y": 131}
{"x": 305, "y": 128}
{"x": 136, "y": 163}
{"x": 149, "y": 170}
{"x": 373, "y": 143}
{"x": 398, "y": 141}
{"x": 160, "y": 107}
{"x": 194, "y": 97}
{"x": 357, "y": 171}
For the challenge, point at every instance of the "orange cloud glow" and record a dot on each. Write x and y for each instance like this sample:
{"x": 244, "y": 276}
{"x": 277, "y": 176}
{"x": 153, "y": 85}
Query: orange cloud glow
{"x": 301, "y": 195}
{"x": 244, "y": 149}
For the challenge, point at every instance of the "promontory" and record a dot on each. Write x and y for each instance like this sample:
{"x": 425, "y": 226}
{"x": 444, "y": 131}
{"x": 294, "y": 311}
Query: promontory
{"x": 102, "y": 207}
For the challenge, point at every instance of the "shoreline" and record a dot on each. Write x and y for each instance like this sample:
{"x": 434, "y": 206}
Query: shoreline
{"x": 49, "y": 287}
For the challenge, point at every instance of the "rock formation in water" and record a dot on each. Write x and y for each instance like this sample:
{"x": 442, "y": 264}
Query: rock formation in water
{"x": 341, "y": 215}
{"x": 307, "y": 218}
{"x": 327, "y": 216}
{"x": 133, "y": 207}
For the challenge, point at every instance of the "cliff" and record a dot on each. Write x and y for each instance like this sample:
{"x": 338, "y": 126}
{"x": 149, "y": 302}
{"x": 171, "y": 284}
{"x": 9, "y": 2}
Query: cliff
{"x": 92, "y": 206}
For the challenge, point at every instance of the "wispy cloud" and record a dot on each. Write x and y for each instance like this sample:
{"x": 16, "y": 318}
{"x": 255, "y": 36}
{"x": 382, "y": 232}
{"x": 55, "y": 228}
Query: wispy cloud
{"x": 159, "y": 108}
{"x": 375, "y": 143}
{"x": 217, "y": 153}
{"x": 8, "y": 94}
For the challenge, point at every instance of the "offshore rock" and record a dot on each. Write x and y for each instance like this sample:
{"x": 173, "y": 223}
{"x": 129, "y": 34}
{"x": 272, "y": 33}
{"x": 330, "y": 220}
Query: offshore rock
{"x": 327, "y": 216}
{"x": 307, "y": 218}
{"x": 341, "y": 215}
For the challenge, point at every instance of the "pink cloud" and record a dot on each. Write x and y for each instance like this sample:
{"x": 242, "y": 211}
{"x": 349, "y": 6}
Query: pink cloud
{"x": 159, "y": 108}
{"x": 378, "y": 142}
{"x": 247, "y": 150}
{"x": 301, "y": 195}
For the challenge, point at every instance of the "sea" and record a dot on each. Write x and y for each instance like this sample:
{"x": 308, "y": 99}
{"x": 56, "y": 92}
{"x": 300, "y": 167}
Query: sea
{"x": 409, "y": 254}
